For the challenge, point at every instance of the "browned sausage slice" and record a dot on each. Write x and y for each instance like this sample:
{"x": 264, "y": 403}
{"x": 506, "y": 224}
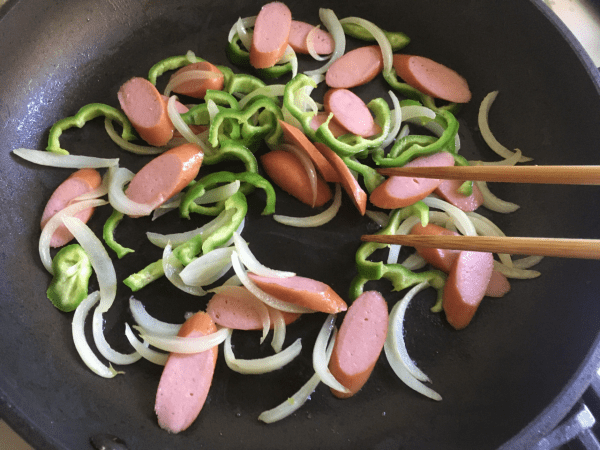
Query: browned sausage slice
{"x": 350, "y": 112}
{"x": 335, "y": 128}
{"x": 439, "y": 258}
{"x": 198, "y": 88}
{"x": 322, "y": 41}
{"x": 271, "y": 34}
{"x": 355, "y": 68}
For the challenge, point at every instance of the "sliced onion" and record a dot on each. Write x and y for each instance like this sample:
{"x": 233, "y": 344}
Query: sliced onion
{"x": 510, "y": 161}
{"x": 260, "y": 365}
{"x": 515, "y": 272}
{"x": 487, "y": 134}
{"x": 279, "y": 329}
{"x": 438, "y": 130}
{"x": 414, "y": 262}
{"x": 334, "y": 27}
{"x": 412, "y": 112}
{"x": 81, "y": 344}
{"x": 405, "y": 131}
{"x": 208, "y": 268}
{"x": 379, "y": 217}
{"x": 486, "y": 227}
{"x": 101, "y": 262}
{"x": 149, "y": 323}
{"x": 493, "y": 203}
{"x": 219, "y": 193}
{"x": 153, "y": 356}
{"x": 239, "y": 28}
{"x": 172, "y": 268}
{"x": 104, "y": 347}
{"x": 380, "y": 37}
{"x": 56, "y": 221}
{"x": 119, "y": 201}
{"x": 249, "y": 260}
{"x": 272, "y": 90}
{"x": 179, "y": 344}
{"x": 461, "y": 220}
{"x": 183, "y": 127}
{"x": 310, "y": 44}
{"x": 316, "y": 220}
{"x": 320, "y": 360}
{"x": 396, "y": 121}
{"x": 98, "y": 192}
{"x": 293, "y": 403}
{"x": 46, "y": 158}
{"x": 403, "y": 229}
{"x": 527, "y": 262}
{"x": 126, "y": 145}
{"x": 188, "y": 75}
{"x": 168, "y": 206}
{"x": 262, "y": 295}
{"x": 307, "y": 164}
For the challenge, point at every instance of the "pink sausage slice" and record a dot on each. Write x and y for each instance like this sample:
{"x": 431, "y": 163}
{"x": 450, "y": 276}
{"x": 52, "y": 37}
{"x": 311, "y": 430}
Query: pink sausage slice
{"x": 322, "y": 41}
{"x": 198, "y": 88}
{"x": 466, "y": 286}
{"x": 186, "y": 379}
{"x": 350, "y": 112}
{"x": 335, "y": 128}
{"x": 144, "y": 106}
{"x": 498, "y": 286}
{"x": 448, "y": 190}
{"x": 302, "y": 291}
{"x": 432, "y": 78}
{"x": 166, "y": 175}
{"x": 78, "y": 183}
{"x": 355, "y": 68}
{"x": 237, "y": 309}
{"x": 359, "y": 342}
{"x": 439, "y": 258}
{"x": 271, "y": 35}
{"x": 398, "y": 192}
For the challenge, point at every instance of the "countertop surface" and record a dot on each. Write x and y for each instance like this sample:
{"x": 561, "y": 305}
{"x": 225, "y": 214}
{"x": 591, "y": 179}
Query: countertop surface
{"x": 582, "y": 18}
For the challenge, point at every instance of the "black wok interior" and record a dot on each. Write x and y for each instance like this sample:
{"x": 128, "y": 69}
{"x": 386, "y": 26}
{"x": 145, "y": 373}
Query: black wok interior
{"x": 499, "y": 378}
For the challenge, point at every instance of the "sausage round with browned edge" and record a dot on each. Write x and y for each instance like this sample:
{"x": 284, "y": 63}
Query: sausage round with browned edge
{"x": 271, "y": 35}
{"x": 198, "y": 88}
{"x": 355, "y": 68}
{"x": 323, "y": 43}
{"x": 350, "y": 112}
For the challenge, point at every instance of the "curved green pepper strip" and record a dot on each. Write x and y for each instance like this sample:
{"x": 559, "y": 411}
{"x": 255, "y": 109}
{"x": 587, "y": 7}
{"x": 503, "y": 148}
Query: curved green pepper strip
{"x": 108, "y": 234}
{"x": 171, "y": 63}
{"x": 84, "y": 115}
{"x": 72, "y": 269}
{"x": 233, "y": 150}
{"x": 251, "y": 180}
{"x": 371, "y": 177}
{"x": 241, "y": 57}
{"x": 144, "y": 277}
{"x": 238, "y": 207}
{"x": 397, "y": 39}
{"x": 243, "y": 83}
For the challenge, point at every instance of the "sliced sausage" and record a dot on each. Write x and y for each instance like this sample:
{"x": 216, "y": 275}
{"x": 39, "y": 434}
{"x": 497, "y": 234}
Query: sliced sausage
{"x": 335, "y": 128}
{"x": 287, "y": 172}
{"x": 448, "y": 190}
{"x": 296, "y": 137}
{"x": 398, "y": 192}
{"x": 147, "y": 111}
{"x": 359, "y": 342}
{"x": 355, "y": 68}
{"x": 432, "y": 78}
{"x": 166, "y": 175}
{"x": 322, "y": 40}
{"x": 350, "y": 112}
{"x": 349, "y": 183}
{"x": 237, "y": 309}
{"x": 186, "y": 379}
{"x": 440, "y": 258}
{"x": 302, "y": 291}
{"x": 466, "y": 286}
{"x": 198, "y": 88}
{"x": 498, "y": 286}
{"x": 78, "y": 183}
{"x": 271, "y": 35}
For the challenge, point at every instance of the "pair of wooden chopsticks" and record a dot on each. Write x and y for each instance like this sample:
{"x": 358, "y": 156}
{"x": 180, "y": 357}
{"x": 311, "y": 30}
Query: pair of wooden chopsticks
{"x": 566, "y": 248}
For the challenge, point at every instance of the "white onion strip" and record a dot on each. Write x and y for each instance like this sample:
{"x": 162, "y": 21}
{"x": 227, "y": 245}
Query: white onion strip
{"x": 188, "y": 345}
{"x": 334, "y": 27}
{"x": 414, "y": 262}
{"x": 493, "y": 203}
{"x": 83, "y": 348}
{"x": 98, "y": 192}
{"x": 239, "y": 28}
{"x": 271, "y": 90}
{"x": 260, "y": 365}
{"x": 183, "y": 127}
{"x": 379, "y": 217}
{"x": 515, "y": 272}
{"x": 46, "y": 158}
{"x": 377, "y": 33}
{"x": 126, "y": 145}
{"x": 279, "y": 329}
{"x": 527, "y": 262}
{"x": 57, "y": 220}
{"x": 118, "y": 199}
{"x": 148, "y": 354}
{"x": 104, "y": 347}
{"x": 172, "y": 268}
{"x": 188, "y": 75}
{"x": 320, "y": 360}
{"x": 219, "y": 193}
{"x": 207, "y": 268}
{"x": 487, "y": 134}
{"x": 396, "y": 120}
{"x": 249, "y": 260}
{"x": 149, "y": 323}
{"x": 316, "y": 220}
{"x": 307, "y": 164}
{"x": 461, "y": 220}
{"x": 486, "y": 227}
{"x": 101, "y": 262}
{"x": 293, "y": 403}
{"x": 310, "y": 44}
{"x": 403, "y": 229}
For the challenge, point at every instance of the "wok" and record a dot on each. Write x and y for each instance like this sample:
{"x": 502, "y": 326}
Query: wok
{"x": 506, "y": 380}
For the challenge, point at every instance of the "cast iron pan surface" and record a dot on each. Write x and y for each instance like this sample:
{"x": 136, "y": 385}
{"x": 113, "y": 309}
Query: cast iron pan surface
{"x": 497, "y": 378}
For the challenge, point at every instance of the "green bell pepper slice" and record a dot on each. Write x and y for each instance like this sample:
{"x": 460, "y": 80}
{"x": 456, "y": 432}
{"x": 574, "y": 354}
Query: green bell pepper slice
{"x": 397, "y": 39}
{"x": 144, "y": 277}
{"x": 171, "y": 63}
{"x": 72, "y": 269}
{"x": 241, "y": 57}
{"x": 108, "y": 234}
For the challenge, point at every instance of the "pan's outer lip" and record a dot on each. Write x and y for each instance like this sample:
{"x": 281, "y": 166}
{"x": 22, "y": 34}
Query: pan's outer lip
{"x": 529, "y": 436}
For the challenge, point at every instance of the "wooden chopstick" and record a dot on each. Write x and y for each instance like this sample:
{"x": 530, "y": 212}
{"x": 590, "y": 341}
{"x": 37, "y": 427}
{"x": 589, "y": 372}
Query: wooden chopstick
{"x": 586, "y": 175}
{"x": 566, "y": 248}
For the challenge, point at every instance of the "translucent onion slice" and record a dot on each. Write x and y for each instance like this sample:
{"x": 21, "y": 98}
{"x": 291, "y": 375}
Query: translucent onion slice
{"x": 126, "y": 145}
{"x": 272, "y": 90}
{"x": 316, "y": 220}
{"x": 153, "y": 356}
{"x": 119, "y": 201}
{"x": 334, "y": 26}
{"x": 414, "y": 262}
{"x": 279, "y": 329}
{"x": 516, "y": 272}
{"x": 307, "y": 164}
{"x": 510, "y": 161}
{"x": 246, "y": 22}
{"x": 81, "y": 344}
{"x": 413, "y": 112}
{"x": 379, "y": 217}
{"x": 57, "y": 220}
{"x": 240, "y": 29}
{"x": 260, "y": 365}
{"x": 161, "y": 240}
{"x": 293, "y": 403}
{"x": 486, "y": 227}
{"x": 101, "y": 262}
{"x": 288, "y": 118}
{"x": 104, "y": 347}
{"x": 46, "y": 158}
{"x": 493, "y": 203}
{"x": 377, "y": 33}
{"x": 188, "y": 75}
{"x": 168, "y": 206}
{"x": 262, "y": 295}
{"x": 149, "y": 323}
{"x": 437, "y": 129}
{"x": 219, "y": 193}
{"x": 183, "y": 127}
{"x": 172, "y": 268}
{"x": 396, "y": 121}
{"x": 403, "y": 229}
{"x": 252, "y": 264}
{"x": 179, "y": 344}
{"x": 320, "y": 360}
{"x": 98, "y": 192}
{"x": 527, "y": 262}
{"x": 207, "y": 268}
{"x": 310, "y": 44}
{"x": 486, "y": 133}
{"x": 461, "y": 220}
{"x": 405, "y": 131}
